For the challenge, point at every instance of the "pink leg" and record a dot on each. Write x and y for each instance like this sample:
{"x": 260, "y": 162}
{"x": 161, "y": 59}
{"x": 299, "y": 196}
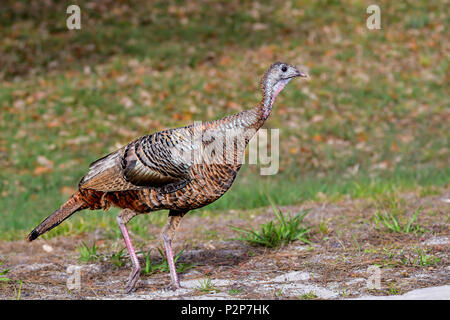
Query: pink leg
{"x": 136, "y": 271}
{"x": 167, "y": 236}
{"x": 170, "y": 261}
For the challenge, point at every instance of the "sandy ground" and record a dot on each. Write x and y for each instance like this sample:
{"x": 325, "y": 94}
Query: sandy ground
{"x": 342, "y": 262}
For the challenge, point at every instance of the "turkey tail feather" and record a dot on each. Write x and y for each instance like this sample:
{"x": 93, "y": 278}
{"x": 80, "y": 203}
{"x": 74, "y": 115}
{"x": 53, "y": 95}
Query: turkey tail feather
{"x": 74, "y": 204}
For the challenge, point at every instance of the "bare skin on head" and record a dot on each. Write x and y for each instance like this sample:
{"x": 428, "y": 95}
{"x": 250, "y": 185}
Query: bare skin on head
{"x": 152, "y": 173}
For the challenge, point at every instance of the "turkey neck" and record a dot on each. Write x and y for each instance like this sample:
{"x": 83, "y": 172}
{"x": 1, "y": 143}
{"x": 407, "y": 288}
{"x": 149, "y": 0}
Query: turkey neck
{"x": 270, "y": 88}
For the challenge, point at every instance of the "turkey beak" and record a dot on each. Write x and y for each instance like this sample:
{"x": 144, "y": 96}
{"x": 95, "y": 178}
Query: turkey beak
{"x": 300, "y": 74}
{"x": 294, "y": 72}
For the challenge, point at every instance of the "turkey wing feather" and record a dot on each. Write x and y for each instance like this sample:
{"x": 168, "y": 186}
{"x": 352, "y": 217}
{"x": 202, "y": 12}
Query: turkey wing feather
{"x": 152, "y": 161}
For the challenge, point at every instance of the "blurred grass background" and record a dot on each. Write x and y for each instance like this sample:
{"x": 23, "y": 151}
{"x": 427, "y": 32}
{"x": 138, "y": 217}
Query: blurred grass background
{"x": 372, "y": 119}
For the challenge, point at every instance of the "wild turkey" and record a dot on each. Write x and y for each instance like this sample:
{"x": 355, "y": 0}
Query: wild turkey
{"x": 177, "y": 169}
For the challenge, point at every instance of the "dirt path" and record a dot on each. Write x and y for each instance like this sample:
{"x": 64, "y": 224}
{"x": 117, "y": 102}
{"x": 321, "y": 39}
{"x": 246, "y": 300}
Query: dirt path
{"x": 345, "y": 256}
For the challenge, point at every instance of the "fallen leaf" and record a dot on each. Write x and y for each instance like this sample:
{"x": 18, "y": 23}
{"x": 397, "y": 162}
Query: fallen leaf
{"x": 68, "y": 191}
{"x": 41, "y": 170}
{"x": 318, "y": 138}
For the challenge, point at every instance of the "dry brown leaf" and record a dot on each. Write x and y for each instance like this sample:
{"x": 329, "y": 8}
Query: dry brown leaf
{"x": 41, "y": 170}
{"x": 318, "y": 138}
{"x": 68, "y": 191}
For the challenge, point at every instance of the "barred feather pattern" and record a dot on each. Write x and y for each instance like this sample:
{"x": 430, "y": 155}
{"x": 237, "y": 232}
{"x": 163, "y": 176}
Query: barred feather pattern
{"x": 146, "y": 175}
{"x": 177, "y": 169}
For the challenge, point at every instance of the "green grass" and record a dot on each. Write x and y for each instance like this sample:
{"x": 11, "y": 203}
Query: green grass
{"x": 19, "y": 290}
{"x": 118, "y": 258}
{"x": 205, "y": 285}
{"x": 163, "y": 265}
{"x": 5, "y": 279}
{"x": 393, "y": 290}
{"x": 235, "y": 291}
{"x": 309, "y": 296}
{"x": 3, "y": 272}
{"x": 424, "y": 259}
{"x": 274, "y": 234}
{"x": 390, "y": 222}
{"x": 88, "y": 253}
{"x": 366, "y": 123}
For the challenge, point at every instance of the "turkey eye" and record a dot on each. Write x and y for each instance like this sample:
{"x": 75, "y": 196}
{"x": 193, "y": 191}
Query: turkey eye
{"x": 284, "y": 69}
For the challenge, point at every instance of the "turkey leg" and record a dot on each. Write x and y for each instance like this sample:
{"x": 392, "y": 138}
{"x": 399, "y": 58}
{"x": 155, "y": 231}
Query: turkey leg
{"x": 122, "y": 219}
{"x": 167, "y": 236}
